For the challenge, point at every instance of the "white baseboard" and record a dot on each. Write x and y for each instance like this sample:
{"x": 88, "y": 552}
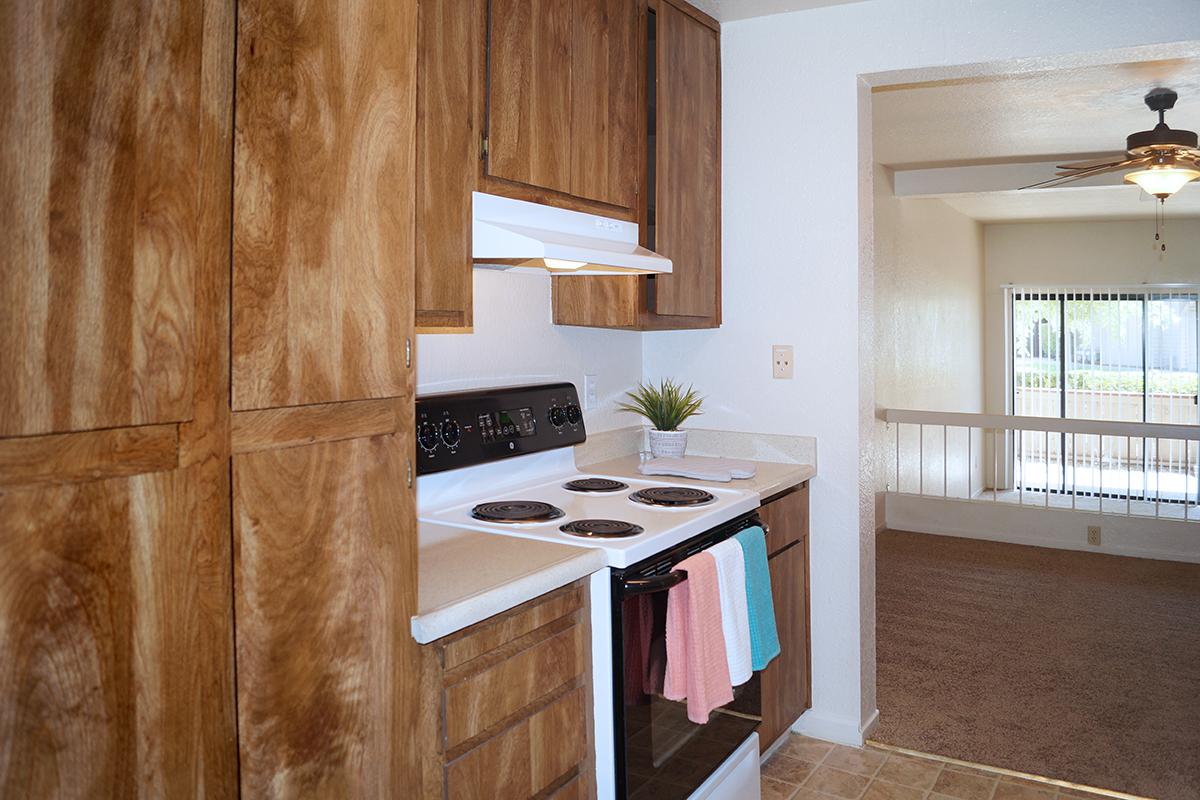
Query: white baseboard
{"x": 1064, "y": 529}
{"x": 843, "y": 730}
{"x": 869, "y": 726}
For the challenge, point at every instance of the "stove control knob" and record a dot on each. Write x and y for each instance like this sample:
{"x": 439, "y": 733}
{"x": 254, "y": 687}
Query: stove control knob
{"x": 451, "y": 433}
{"x": 558, "y": 416}
{"x": 574, "y": 414}
{"x": 427, "y": 436}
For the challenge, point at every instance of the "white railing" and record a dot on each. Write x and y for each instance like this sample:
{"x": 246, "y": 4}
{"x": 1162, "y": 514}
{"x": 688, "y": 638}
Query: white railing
{"x": 1130, "y": 468}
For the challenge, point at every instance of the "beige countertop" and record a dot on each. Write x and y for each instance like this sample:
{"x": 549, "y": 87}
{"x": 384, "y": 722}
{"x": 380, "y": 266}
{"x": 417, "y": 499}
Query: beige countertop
{"x": 466, "y": 576}
{"x": 770, "y": 478}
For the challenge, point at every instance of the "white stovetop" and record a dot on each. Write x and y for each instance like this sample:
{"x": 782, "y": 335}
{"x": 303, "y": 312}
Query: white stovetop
{"x": 664, "y": 527}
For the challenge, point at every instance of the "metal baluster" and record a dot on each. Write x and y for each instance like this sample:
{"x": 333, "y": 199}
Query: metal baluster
{"x": 1074, "y": 474}
{"x": 921, "y": 459}
{"x": 1021, "y": 458}
{"x": 995, "y": 467}
{"x": 1157, "y": 476}
{"x": 970, "y": 463}
{"x": 1128, "y": 475}
{"x": 945, "y": 461}
{"x": 1046, "y": 465}
{"x": 897, "y": 458}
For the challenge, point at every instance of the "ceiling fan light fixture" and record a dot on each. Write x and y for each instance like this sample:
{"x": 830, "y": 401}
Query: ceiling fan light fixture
{"x": 1163, "y": 178}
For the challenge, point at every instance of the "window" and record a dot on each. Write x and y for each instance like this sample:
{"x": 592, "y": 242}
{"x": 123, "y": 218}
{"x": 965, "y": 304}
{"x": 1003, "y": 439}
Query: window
{"x": 1106, "y": 354}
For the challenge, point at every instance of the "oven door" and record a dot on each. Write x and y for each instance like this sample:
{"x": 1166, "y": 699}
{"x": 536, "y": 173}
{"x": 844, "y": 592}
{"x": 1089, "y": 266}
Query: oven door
{"x": 660, "y": 754}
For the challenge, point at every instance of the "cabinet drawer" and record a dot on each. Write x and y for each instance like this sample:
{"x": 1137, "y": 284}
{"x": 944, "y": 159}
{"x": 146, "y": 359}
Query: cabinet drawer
{"x": 526, "y": 758}
{"x": 489, "y": 635}
{"x": 477, "y": 703}
{"x": 787, "y": 518}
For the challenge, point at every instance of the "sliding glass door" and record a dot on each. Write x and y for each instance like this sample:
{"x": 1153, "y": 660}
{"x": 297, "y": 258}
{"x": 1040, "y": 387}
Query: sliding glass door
{"x": 1100, "y": 354}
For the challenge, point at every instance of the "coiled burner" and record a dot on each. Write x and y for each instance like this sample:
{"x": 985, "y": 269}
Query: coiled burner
{"x": 514, "y": 511}
{"x": 672, "y": 496}
{"x": 594, "y": 485}
{"x": 601, "y": 528}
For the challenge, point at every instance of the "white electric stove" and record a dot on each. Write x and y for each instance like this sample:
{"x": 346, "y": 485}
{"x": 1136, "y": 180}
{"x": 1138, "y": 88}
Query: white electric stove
{"x": 501, "y": 461}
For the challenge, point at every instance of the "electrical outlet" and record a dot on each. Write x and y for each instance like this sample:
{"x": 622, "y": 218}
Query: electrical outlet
{"x": 589, "y": 392}
{"x": 1094, "y": 535}
{"x": 782, "y": 361}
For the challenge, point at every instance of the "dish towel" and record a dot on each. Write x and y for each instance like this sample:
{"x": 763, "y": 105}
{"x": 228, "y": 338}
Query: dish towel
{"x": 735, "y": 622}
{"x": 764, "y": 639}
{"x": 702, "y": 468}
{"x": 697, "y": 669}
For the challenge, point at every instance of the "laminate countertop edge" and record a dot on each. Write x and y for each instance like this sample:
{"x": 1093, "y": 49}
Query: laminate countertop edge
{"x": 465, "y": 577}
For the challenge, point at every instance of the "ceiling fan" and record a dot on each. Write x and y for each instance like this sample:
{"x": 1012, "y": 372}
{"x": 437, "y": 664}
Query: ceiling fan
{"x": 1166, "y": 158}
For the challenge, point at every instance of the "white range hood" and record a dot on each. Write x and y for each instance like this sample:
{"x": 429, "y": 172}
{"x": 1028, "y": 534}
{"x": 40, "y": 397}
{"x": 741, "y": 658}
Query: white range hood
{"x": 515, "y": 235}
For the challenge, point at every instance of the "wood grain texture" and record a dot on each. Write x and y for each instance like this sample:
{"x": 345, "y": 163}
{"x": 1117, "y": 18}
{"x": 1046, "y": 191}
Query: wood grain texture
{"x": 273, "y": 428}
{"x": 600, "y": 301}
{"x": 530, "y": 93}
{"x": 526, "y": 759}
{"x": 99, "y": 162}
{"x": 604, "y": 96}
{"x": 492, "y": 633}
{"x": 786, "y": 516}
{"x": 328, "y": 673}
{"x": 323, "y": 201}
{"x": 88, "y": 455}
{"x": 115, "y": 680}
{"x": 688, "y": 176}
{"x": 450, "y": 52}
{"x": 479, "y": 702}
{"x": 786, "y": 680}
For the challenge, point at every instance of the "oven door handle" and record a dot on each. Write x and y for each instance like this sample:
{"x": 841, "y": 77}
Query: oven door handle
{"x": 656, "y": 584}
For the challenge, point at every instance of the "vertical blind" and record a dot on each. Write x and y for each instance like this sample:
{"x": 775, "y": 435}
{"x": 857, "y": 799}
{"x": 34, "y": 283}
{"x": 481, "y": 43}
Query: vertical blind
{"x": 1106, "y": 353}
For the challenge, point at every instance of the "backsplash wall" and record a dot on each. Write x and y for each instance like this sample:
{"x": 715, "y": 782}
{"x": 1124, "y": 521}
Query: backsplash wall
{"x": 514, "y": 342}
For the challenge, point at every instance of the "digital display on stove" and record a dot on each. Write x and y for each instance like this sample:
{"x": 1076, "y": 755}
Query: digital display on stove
{"x": 502, "y": 425}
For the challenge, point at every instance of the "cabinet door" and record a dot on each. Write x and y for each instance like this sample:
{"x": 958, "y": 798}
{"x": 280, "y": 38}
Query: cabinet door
{"x": 326, "y": 585}
{"x": 688, "y": 187}
{"x": 323, "y": 200}
{"x": 604, "y": 96}
{"x": 785, "y": 681}
{"x": 529, "y": 98}
{"x": 100, "y": 152}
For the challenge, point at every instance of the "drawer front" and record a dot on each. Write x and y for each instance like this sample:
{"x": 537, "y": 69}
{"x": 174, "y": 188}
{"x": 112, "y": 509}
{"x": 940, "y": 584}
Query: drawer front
{"x": 787, "y": 518}
{"x": 528, "y": 757}
{"x": 477, "y": 703}
{"x": 504, "y": 628}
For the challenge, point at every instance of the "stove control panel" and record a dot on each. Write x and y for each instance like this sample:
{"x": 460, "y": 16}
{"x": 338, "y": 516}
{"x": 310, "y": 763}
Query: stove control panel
{"x": 461, "y": 429}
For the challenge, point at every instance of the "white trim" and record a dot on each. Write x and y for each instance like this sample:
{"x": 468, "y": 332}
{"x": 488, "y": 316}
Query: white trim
{"x": 1058, "y": 528}
{"x": 843, "y": 730}
{"x": 868, "y": 727}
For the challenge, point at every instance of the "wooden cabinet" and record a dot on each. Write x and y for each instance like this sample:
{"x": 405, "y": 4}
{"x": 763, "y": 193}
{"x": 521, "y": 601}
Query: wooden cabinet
{"x": 680, "y": 210}
{"x": 323, "y": 201}
{"x": 786, "y": 682}
{"x": 552, "y": 85}
{"x": 116, "y": 632}
{"x": 507, "y": 704}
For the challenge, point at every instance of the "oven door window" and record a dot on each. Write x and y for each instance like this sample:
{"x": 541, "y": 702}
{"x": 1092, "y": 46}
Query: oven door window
{"x": 666, "y": 756}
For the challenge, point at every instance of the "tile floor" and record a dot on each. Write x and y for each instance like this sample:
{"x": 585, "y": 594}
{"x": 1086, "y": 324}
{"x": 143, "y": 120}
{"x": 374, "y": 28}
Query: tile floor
{"x": 811, "y": 769}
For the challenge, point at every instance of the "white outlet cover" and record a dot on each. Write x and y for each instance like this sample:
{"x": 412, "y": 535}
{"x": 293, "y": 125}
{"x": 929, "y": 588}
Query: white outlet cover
{"x": 783, "y": 362}
{"x": 589, "y": 392}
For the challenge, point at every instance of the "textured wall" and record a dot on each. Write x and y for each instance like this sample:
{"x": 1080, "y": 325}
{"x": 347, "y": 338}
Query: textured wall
{"x": 514, "y": 342}
{"x": 794, "y": 169}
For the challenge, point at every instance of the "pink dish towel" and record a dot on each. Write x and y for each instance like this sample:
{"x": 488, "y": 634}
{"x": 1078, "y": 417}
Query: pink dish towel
{"x": 697, "y": 668}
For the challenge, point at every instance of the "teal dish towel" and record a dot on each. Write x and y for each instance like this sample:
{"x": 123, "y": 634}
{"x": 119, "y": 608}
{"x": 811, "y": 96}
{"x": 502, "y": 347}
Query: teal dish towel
{"x": 764, "y": 639}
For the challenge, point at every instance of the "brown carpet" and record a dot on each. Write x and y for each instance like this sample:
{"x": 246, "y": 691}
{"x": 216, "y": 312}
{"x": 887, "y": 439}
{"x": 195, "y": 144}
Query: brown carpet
{"x": 1069, "y": 665}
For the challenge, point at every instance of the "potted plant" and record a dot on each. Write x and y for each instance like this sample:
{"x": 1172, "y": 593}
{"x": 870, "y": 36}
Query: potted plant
{"x": 666, "y": 406}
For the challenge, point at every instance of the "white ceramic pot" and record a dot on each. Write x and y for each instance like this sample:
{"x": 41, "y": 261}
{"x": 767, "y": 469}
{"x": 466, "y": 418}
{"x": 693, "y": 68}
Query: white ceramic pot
{"x": 667, "y": 444}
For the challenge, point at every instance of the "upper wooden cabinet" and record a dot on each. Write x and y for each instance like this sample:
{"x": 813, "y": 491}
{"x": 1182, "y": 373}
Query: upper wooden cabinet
{"x": 562, "y": 97}
{"x": 100, "y": 151}
{"x": 323, "y": 202}
{"x": 552, "y": 85}
{"x": 680, "y": 207}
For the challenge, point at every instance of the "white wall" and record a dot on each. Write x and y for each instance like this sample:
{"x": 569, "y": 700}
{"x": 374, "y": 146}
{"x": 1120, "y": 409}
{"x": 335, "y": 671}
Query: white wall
{"x": 796, "y": 163}
{"x": 514, "y": 342}
{"x": 928, "y": 328}
{"x": 1102, "y": 253}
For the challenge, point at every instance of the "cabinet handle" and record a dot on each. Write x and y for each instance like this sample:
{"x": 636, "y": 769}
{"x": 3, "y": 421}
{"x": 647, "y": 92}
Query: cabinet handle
{"x": 408, "y": 471}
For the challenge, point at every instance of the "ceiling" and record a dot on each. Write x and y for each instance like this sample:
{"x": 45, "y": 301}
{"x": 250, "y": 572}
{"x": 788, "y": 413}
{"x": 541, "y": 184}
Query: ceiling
{"x": 1059, "y": 115}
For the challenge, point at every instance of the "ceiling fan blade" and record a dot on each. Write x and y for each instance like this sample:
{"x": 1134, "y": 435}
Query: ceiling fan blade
{"x": 1063, "y": 171}
{"x": 1063, "y": 178}
{"x": 1094, "y": 162}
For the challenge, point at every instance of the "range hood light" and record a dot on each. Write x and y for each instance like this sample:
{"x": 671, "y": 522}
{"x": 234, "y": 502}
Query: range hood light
{"x": 564, "y": 264}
